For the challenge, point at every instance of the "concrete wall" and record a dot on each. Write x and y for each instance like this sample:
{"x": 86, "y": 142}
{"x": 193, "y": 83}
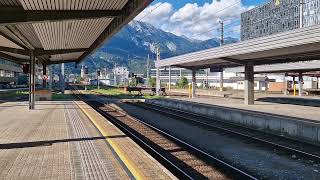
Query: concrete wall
{"x": 303, "y": 130}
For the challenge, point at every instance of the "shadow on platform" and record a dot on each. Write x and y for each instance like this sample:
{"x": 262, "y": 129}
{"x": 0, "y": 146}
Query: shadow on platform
{"x": 292, "y": 100}
{"x": 50, "y": 142}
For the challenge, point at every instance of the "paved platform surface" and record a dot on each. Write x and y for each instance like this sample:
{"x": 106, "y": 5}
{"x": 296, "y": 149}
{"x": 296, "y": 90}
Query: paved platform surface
{"x": 298, "y": 111}
{"x": 58, "y": 140}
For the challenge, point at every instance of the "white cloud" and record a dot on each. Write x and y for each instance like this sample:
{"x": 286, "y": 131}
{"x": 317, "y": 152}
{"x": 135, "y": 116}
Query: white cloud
{"x": 194, "y": 21}
{"x": 156, "y": 14}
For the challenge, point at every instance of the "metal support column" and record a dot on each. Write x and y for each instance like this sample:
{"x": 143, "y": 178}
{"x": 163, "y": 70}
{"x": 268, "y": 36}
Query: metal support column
{"x": 207, "y": 78}
{"x": 148, "y": 71}
{"x": 249, "y": 84}
{"x": 62, "y": 88}
{"x": 50, "y": 77}
{"x": 221, "y": 80}
{"x": 169, "y": 78}
{"x": 44, "y": 72}
{"x": 221, "y": 44}
{"x": 32, "y": 85}
{"x": 193, "y": 83}
{"x": 300, "y": 84}
{"x": 285, "y": 85}
{"x": 158, "y": 86}
{"x": 294, "y": 86}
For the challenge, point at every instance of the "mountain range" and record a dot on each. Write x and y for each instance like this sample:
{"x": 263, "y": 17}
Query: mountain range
{"x": 135, "y": 41}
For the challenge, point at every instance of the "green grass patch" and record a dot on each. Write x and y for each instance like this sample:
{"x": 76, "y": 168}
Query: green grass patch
{"x": 120, "y": 94}
{"x": 60, "y": 96}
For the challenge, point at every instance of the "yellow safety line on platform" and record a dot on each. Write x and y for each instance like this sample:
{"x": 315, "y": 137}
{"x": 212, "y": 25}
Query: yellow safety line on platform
{"x": 135, "y": 171}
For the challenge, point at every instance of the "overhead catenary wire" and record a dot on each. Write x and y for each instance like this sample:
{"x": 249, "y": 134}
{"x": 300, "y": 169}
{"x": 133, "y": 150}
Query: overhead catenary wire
{"x": 223, "y": 9}
{"x": 202, "y": 33}
{"x": 152, "y": 10}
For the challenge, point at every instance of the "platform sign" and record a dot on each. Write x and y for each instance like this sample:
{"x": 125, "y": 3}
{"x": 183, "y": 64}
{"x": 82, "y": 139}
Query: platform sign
{"x": 216, "y": 69}
{"x": 26, "y": 68}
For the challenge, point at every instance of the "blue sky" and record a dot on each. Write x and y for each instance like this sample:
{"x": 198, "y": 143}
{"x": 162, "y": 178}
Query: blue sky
{"x": 197, "y": 19}
{"x": 181, "y": 3}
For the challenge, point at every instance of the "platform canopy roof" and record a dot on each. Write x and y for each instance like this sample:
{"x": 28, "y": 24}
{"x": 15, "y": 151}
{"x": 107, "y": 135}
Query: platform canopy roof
{"x": 291, "y": 46}
{"x": 305, "y": 66}
{"x": 58, "y": 31}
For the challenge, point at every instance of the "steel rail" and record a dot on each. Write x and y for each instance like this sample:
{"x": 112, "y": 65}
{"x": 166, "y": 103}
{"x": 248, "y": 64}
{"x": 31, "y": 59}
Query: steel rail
{"x": 154, "y": 107}
{"x": 221, "y": 162}
{"x": 128, "y": 132}
{"x": 238, "y": 174}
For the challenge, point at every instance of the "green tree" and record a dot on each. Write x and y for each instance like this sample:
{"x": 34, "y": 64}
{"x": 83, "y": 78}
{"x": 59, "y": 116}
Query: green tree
{"x": 152, "y": 82}
{"x": 133, "y": 82}
{"x": 183, "y": 82}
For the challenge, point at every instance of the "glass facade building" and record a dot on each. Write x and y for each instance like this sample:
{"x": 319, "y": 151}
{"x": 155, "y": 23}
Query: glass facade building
{"x": 278, "y": 16}
{"x": 9, "y": 72}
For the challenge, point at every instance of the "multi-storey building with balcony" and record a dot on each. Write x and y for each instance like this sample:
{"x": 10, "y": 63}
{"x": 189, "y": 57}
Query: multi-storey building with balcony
{"x": 278, "y": 16}
{"x": 9, "y": 72}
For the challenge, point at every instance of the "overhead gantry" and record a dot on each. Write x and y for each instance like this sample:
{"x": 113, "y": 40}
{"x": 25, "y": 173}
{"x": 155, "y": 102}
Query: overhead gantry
{"x": 291, "y": 46}
{"x": 52, "y": 32}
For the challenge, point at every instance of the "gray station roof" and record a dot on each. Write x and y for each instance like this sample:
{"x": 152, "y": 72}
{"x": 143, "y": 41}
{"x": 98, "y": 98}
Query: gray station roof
{"x": 61, "y": 30}
{"x": 305, "y": 66}
{"x": 291, "y": 46}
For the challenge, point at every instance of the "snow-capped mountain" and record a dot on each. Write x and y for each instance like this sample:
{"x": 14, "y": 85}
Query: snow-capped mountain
{"x": 138, "y": 39}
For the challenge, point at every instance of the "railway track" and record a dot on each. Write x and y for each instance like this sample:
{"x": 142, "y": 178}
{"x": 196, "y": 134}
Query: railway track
{"x": 181, "y": 158}
{"x": 289, "y": 146}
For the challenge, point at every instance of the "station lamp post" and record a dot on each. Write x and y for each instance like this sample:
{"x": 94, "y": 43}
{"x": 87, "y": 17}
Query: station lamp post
{"x": 221, "y": 44}
{"x": 98, "y": 79}
{"x": 158, "y": 74}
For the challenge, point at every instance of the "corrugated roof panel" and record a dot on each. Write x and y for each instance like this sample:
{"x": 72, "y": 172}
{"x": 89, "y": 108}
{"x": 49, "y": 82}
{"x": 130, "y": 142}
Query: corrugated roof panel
{"x": 28, "y": 31}
{"x": 7, "y": 43}
{"x": 73, "y": 4}
{"x": 250, "y": 49}
{"x": 6, "y": 32}
{"x": 62, "y": 57}
{"x": 10, "y": 3}
{"x": 114, "y": 4}
{"x": 70, "y": 34}
{"x": 280, "y": 67}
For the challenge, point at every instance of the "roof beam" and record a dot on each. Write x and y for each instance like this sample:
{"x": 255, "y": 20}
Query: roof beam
{"x": 12, "y": 40}
{"x": 130, "y": 10}
{"x": 41, "y": 52}
{"x": 236, "y": 61}
{"x": 12, "y": 15}
{"x": 13, "y": 59}
{"x": 14, "y": 30}
{"x": 15, "y": 50}
{"x": 290, "y": 58}
{"x": 61, "y": 61}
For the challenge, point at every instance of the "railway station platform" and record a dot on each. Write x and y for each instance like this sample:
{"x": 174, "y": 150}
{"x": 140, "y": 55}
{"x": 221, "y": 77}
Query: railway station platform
{"x": 288, "y": 120}
{"x": 276, "y": 108}
{"x": 68, "y": 140}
